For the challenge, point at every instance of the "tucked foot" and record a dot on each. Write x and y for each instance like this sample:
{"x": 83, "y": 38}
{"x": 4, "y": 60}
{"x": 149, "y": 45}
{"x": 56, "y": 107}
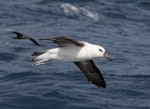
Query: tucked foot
{"x": 37, "y": 53}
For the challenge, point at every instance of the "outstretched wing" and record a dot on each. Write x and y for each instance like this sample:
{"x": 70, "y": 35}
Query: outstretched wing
{"x": 92, "y": 73}
{"x": 22, "y": 36}
{"x": 64, "y": 41}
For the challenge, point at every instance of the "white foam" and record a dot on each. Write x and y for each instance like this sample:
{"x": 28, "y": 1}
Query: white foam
{"x": 70, "y": 9}
{"x": 90, "y": 14}
{"x": 73, "y": 10}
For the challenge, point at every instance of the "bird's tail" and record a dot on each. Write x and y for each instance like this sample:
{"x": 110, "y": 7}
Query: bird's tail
{"x": 37, "y": 53}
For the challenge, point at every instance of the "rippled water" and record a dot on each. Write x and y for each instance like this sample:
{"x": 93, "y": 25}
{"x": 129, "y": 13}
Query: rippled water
{"x": 121, "y": 26}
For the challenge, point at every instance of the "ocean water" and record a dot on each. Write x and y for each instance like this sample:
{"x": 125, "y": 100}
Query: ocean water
{"x": 120, "y": 26}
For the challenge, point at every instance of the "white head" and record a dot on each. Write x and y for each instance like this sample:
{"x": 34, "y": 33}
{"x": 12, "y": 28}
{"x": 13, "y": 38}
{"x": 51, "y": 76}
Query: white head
{"x": 100, "y": 51}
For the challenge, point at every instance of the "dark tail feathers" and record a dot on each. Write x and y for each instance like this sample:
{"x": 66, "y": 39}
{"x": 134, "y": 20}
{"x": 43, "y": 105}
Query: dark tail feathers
{"x": 37, "y": 53}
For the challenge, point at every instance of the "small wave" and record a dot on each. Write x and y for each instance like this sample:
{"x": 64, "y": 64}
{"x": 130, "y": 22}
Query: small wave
{"x": 145, "y": 5}
{"x": 9, "y": 30}
{"x": 8, "y": 57}
{"x": 115, "y": 15}
{"x": 130, "y": 76}
{"x": 72, "y": 10}
{"x": 19, "y": 76}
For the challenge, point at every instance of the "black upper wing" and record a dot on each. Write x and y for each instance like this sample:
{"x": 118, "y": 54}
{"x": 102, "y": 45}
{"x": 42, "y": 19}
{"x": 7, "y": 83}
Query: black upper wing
{"x": 92, "y": 73}
{"x": 22, "y": 36}
{"x": 64, "y": 41}
{"x": 19, "y": 35}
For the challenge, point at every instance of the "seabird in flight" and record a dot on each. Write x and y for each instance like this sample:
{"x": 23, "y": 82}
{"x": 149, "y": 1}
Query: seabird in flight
{"x": 79, "y": 52}
{"x": 22, "y": 36}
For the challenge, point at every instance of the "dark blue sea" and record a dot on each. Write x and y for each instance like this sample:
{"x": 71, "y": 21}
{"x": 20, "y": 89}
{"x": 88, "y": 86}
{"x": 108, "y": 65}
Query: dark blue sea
{"x": 122, "y": 27}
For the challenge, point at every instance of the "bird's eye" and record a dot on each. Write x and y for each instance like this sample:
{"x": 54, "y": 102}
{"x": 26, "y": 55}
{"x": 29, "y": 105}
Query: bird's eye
{"x": 100, "y": 50}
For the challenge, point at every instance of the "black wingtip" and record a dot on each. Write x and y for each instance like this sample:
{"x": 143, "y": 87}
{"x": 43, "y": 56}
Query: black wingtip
{"x": 17, "y": 33}
{"x": 35, "y": 42}
{"x": 103, "y": 86}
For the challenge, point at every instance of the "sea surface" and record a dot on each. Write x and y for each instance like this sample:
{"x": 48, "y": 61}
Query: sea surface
{"x": 122, "y": 27}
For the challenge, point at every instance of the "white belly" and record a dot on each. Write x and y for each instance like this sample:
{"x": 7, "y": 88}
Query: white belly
{"x": 70, "y": 54}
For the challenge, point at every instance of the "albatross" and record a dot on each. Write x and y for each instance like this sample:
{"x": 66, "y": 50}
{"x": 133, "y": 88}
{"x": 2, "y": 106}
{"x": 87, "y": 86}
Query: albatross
{"x": 22, "y": 36}
{"x": 80, "y": 53}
